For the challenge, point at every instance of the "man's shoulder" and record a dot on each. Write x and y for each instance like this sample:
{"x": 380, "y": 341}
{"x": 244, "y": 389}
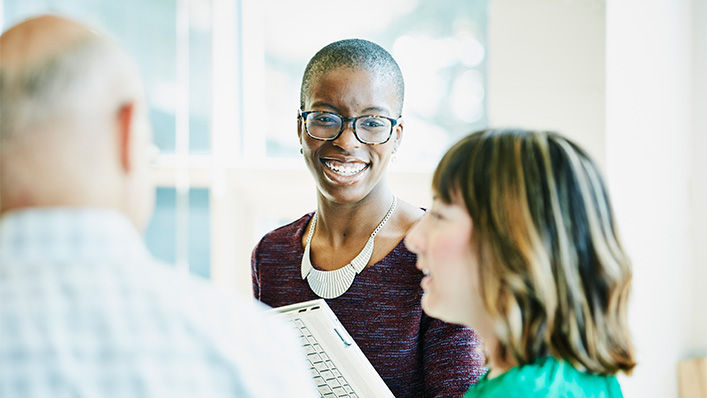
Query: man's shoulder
{"x": 257, "y": 342}
{"x": 232, "y": 322}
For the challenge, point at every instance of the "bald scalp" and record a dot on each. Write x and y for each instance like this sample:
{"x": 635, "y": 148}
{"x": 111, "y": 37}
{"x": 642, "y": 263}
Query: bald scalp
{"x": 54, "y": 71}
{"x": 72, "y": 112}
{"x": 37, "y": 38}
{"x": 355, "y": 54}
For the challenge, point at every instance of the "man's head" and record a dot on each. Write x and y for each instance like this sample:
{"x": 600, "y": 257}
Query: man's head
{"x": 355, "y": 54}
{"x": 73, "y": 122}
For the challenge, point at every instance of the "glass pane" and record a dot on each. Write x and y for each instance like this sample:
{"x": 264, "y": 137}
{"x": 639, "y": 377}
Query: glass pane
{"x": 199, "y": 76}
{"x": 161, "y": 236}
{"x": 199, "y": 232}
{"x": 161, "y": 233}
{"x": 148, "y": 30}
{"x": 440, "y": 47}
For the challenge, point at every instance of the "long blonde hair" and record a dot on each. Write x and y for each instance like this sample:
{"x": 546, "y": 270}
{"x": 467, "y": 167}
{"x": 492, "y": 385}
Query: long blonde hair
{"x": 553, "y": 273}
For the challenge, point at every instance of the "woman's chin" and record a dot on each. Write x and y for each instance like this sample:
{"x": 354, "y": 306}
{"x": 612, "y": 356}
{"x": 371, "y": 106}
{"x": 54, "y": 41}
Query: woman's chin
{"x": 428, "y": 305}
{"x": 438, "y": 311}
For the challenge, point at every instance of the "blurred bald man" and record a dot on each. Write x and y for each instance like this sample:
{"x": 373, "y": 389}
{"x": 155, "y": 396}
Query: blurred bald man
{"x": 84, "y": 310}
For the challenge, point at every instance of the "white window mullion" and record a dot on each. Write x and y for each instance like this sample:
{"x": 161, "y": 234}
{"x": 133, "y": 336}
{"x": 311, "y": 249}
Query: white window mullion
{"x": 226, "y": 127}
{"x": 182, "y": 137}
{"x": 253, "y": 67}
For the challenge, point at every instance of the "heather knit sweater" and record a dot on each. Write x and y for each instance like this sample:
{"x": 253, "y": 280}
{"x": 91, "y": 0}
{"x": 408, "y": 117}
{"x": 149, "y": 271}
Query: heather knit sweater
{"x": 415, "y": 355}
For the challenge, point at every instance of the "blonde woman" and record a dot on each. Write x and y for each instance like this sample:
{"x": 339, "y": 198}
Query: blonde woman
{"x": 520, "y": 244}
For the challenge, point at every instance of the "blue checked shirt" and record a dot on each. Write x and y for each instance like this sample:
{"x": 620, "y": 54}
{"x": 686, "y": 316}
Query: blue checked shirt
{"x": 85, "y": 311}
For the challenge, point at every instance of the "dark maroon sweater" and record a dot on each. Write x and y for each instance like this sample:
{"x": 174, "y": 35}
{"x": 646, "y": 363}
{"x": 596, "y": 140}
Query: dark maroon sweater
{"x": 417, "y": 356}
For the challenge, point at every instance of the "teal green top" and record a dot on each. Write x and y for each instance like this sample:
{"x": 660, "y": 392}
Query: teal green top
{"x": 546, "y": 377}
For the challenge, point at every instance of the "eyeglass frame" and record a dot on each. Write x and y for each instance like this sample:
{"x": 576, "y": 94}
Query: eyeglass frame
{"x": 393, "y": 122}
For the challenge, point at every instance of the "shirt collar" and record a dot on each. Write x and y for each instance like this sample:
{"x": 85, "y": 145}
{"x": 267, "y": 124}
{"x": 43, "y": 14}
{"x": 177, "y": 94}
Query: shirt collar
{"x": 69, "y": 234}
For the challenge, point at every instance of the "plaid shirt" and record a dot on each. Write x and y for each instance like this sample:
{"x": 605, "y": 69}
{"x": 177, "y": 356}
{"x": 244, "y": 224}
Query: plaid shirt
{"x": 85, "y": 311}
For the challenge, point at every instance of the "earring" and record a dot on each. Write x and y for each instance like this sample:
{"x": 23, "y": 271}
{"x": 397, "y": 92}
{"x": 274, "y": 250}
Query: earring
{"x": 394, "y": 157}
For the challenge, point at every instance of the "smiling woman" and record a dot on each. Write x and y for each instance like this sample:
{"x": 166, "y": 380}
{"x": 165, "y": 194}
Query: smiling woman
{"x": 350, "y": 250}
{"x": 521, "y": 244}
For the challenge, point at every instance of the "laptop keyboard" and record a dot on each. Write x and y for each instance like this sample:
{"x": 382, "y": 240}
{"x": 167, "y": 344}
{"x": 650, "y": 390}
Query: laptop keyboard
{"x": 329, "y": 381}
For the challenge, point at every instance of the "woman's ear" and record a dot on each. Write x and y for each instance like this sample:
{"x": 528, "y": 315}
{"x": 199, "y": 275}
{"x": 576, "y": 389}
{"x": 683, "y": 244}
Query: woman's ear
{"x": 398, "y": 135}
{"x": 299, "y": 127}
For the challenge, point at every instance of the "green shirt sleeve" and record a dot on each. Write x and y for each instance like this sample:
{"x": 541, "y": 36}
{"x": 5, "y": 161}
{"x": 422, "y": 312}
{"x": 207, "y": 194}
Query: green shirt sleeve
{"x": 546, "y": 377}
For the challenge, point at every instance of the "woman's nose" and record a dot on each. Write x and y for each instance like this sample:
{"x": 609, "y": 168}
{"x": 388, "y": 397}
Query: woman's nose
{"x": 347, "y": 138}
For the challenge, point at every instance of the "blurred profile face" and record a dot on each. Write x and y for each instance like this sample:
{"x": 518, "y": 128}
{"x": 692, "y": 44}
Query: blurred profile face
{"x": 442, "y": 240}
{"x": 345, "y": 169}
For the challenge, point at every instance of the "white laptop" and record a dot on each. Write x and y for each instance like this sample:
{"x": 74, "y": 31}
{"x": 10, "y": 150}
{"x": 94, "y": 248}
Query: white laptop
{"x": 338, "y": 366}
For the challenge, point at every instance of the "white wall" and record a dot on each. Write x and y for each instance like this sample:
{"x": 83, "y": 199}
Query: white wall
{"x": 699, "y": 178}
{"x": 629, "y": 82}
{"x": 546, "y": 67}
{"x": 649, "y": 141}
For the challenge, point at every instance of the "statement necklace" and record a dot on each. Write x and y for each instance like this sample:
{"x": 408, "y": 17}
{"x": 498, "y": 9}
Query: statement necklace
{"x": 332, "y": 284}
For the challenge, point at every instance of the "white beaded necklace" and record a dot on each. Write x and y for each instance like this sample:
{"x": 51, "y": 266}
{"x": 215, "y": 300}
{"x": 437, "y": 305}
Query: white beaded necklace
{"x": 332, "y": 284}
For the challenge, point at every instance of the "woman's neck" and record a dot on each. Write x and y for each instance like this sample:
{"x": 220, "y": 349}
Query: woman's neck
{"x": 339, "y": 222}
{"x": 498, "y": 363}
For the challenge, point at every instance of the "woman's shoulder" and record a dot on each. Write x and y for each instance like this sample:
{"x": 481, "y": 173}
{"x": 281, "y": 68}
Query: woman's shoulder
{"x": 410, "y": 214}
{"x": 547, "y": 377}
{"x": 406, "y": 216}
{"x": 287, "y": 234}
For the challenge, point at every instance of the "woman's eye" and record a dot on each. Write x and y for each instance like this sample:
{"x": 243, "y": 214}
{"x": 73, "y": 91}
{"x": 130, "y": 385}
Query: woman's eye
{"x": 435, "y": 215}
{"x": 371, "y": 123}
{"x": 324, "y": 119}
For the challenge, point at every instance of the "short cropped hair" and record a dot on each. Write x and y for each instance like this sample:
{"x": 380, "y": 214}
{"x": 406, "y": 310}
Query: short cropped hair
{"x": 552, "y": 271}
{"x": 356, "y": 54}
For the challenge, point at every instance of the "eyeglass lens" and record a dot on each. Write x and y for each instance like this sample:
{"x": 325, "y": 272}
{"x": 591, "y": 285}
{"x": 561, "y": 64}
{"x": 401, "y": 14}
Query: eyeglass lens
{"x": 372, "y": 129}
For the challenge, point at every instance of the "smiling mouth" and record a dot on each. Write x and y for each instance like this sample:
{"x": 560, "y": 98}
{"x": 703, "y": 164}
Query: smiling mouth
{"x": 345, "y": 169}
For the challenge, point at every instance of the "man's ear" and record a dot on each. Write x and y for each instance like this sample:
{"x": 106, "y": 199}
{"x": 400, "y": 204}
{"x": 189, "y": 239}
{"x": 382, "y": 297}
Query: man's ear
{"x": 124, "y": 121}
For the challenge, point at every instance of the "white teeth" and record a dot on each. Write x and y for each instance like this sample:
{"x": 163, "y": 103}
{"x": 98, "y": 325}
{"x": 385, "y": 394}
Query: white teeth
{"x": 345, "y": 169}
{"x": 426, "y": 272}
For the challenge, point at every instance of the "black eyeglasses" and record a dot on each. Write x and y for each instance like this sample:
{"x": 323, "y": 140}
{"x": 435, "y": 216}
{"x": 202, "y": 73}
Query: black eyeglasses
{"x": 328, "y": 126}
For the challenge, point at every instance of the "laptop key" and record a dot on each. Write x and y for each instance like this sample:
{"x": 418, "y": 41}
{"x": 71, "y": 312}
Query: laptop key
{"x": 329, "y": 380}
{"x": 314, "y": 357}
